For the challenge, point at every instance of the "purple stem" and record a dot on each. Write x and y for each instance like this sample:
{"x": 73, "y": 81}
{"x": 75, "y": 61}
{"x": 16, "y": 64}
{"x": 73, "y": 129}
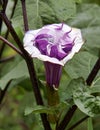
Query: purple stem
{"x": 93, "y": 73}
{"x": 25, "y": 15}
{"x": 67, "y": 118}
{"x": 78, "y": 123}
{"x": 32, "y": 73}
{"x": 3, "y": 92}
{"x": 11, "y": 45}
{"x": 4, "y": 5}
{"x": 7, "y": 32}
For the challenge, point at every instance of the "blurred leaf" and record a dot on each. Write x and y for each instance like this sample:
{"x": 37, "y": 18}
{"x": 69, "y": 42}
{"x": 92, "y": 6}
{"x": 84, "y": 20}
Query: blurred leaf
{"x": 38, "y": 109}
{"x": 88, "y": 19}
{"x": 90, "y": 125}
{"x": 79, "y": 67}
{"x": 19, "y": 71}
{"x": 78, "y": 1}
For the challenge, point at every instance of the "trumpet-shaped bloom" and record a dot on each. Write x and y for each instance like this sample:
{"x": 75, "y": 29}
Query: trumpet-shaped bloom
{"x": 54, "y": 44}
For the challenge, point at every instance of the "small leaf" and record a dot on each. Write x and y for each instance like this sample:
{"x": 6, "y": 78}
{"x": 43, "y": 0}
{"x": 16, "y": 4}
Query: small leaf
{"x": 85, "y": 101}
{"x": 38, "y": 109}
{"x": 90, "y": 125}
{"x": 19, "y": 71}
{"x": 82, "y": 97}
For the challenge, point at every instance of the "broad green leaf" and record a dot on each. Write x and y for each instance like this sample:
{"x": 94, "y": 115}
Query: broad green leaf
{"x": 34, "y": 19}
{"x": 85, "y": 101}
{"x": 65, "y": 80}
{"x": 92, "y": 1}
{"x": 42, "y": 12}
{"x": 90, "y": 124}
{"x": 83, "y": 98}
{"x": 19, "y": 71}
{"x": 80, "y": 65}
{"x": 88, "y": 19}
{"x": 38, "y": 109}
{"x": 64, "y": 9}
{"x": 46, "y": 13}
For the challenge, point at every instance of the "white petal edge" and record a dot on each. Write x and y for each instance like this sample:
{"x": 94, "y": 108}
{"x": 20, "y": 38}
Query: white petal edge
{"x": 29, "y": 36}
{"x": 35, "y": 53}
{"x": 49, "y": 59}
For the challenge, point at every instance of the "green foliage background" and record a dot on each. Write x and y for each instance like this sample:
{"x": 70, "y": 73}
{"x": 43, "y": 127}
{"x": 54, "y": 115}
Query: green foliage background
{"x": 83, "y": 14}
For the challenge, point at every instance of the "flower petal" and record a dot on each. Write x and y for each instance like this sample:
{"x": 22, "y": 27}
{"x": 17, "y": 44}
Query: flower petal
{"x": 77, "y": 44}
{"x": 33, "y": 51}
{"x": 29, "y": 37}
{"x": 49, "y": 59}
{"x": 56, "y": 43}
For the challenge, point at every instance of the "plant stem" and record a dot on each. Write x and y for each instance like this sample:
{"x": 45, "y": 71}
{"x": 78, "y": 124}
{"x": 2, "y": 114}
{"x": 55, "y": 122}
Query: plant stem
{"x": 2, "y": 92}
{"x": 12, "y": 31}
{"x": 11, "y": 45}
{"x": 24, "y": 15}
{"x": 67, "y": 118}
{"x": 37, "y": 91}
{"x": 7, "y": 32}
{"x": 4, "y": 5}
{"x": 32, "y": 72}
{"x": 77, "y": 123}
{"x": 93, "y": 73}
{"x": 53, "y": 101}
{"x": 13, "y": 9}
{"x": 30, "y": 68}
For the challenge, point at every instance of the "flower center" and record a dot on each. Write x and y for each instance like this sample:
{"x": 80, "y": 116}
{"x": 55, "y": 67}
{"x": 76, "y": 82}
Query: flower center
{"x": 54, "y": 42}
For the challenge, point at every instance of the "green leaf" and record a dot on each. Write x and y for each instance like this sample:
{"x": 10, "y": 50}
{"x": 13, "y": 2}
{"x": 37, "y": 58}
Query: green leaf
{"x": 73, "y": 86}
{"x": 42, "y": 12}
{"x": 38, "y": 109}
{"x": 83, "y": 98}
{"x": 19, "y": 71}
{"x": 64, "y": 9}
{"x": 79, "y": 67}
{"x": 32, "y": 12}
{"x": 94, "y": 89}
{"x": 85, "y": 101}
{"x": 78, "y": 1}
{"x": 88, "y": 20}
{"x": 90, "y": 125}
{"x": 46, "y": 13}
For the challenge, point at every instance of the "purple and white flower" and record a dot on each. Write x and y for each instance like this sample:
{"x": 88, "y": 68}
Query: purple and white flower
{"x": 54, "y": 44}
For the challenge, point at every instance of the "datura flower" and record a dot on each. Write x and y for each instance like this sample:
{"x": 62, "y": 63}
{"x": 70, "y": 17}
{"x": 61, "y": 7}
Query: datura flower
{"x": 55, "y": 45}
